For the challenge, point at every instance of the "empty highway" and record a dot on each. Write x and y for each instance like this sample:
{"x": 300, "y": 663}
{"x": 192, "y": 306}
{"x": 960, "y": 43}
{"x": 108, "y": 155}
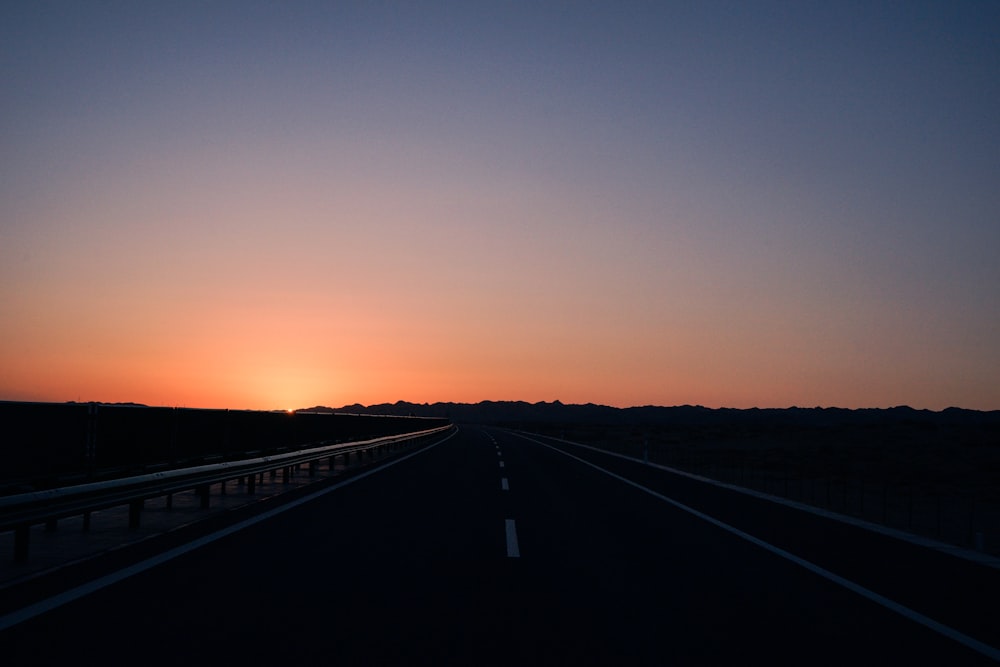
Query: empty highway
{"x": 490, "y": 547}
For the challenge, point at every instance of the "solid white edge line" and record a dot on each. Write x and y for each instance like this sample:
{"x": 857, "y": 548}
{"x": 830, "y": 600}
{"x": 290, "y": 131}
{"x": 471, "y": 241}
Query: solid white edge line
{"x": 36, "y": 609}
{"x": 919, "y": 540}
{"x": 512, "y": 549}
{"x": 906, "y": 612}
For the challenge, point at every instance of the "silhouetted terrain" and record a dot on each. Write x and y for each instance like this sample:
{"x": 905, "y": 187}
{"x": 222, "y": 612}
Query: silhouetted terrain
{"x": 511, "y": 413}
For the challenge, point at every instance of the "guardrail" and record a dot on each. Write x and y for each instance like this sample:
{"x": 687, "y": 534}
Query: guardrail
{"x": 22, "y": 511}
{"x": 47, "y": 445}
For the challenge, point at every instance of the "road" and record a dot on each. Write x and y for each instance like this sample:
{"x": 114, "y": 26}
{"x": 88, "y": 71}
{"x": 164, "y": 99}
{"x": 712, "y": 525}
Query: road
{"x": 492, "y": 548}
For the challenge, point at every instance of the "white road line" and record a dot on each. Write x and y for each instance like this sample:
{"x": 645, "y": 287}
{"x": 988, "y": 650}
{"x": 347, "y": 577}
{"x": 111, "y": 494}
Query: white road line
{"x": 504, "y": 485}
{"x": 919, "y": 540}
{"x": 498, "y": 453}
{"x": 501, "y": 464}
{"x": 26, "y": 613}
{"x": 906, "y": 612}
{"x": 512, "y": 550}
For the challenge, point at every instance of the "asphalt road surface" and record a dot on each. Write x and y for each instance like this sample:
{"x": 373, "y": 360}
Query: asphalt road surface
{"x": 491, "y": 548}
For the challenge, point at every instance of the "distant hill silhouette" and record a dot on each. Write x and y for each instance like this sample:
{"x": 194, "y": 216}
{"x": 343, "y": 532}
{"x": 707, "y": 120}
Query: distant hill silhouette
{"x": 521, "y": 412}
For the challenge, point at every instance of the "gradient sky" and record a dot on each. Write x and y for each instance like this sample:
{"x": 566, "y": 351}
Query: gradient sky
{"x": 277, "y": 205}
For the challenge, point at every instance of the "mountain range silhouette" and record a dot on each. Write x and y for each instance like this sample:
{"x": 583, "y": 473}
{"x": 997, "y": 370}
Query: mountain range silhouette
{"x": 521, "y": 412}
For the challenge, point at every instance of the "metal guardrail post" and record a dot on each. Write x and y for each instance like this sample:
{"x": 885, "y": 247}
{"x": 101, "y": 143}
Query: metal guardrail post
{"x": 134, "y": 513}
{"x": 22, "y": 539}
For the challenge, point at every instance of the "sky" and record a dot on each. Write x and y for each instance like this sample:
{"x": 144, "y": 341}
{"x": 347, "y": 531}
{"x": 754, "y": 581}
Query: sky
{"x": 277, "y": 205}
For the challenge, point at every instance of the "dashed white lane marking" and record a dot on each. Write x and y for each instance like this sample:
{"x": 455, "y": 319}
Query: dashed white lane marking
{"x": 501, "y": 464}
{"x": 512, "y": 550}
{"x": 498, "y": 453}
{"x": 892, "y": 605}
{"x": 58, "y": 600}
{"x": 504, "y": 485}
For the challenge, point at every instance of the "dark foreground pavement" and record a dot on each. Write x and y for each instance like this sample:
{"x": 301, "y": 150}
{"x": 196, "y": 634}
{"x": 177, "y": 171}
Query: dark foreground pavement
{"x": 410, "y": 565}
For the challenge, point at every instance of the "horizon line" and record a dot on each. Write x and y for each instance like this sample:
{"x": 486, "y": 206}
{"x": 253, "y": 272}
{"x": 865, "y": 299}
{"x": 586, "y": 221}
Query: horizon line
{"x": 480, "y": 402}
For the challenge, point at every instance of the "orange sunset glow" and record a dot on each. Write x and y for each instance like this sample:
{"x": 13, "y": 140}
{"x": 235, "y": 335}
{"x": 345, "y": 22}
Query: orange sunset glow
{"x": 326, "y": 206}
